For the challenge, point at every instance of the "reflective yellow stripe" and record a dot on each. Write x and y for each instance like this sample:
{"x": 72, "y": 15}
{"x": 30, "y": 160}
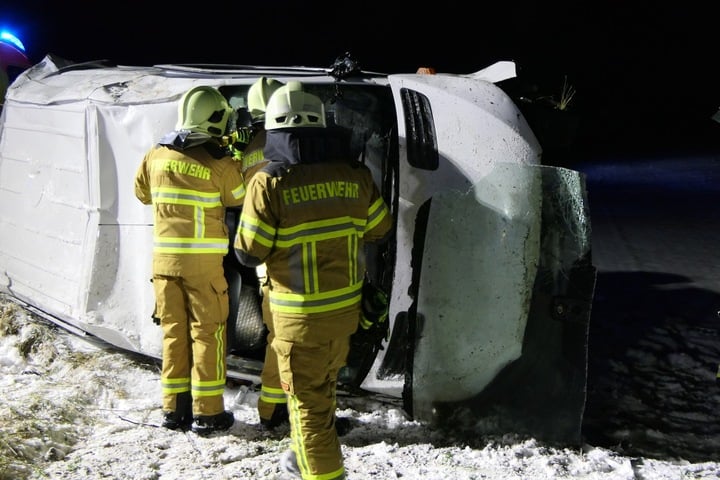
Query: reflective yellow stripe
{"x": 208, "y": 390}
{"x": 316, "y": 302}
{"x": 199, "y": 222}
{"x": 219, "y": 382}
{"x": 376, "y": 213}
{"x": 264, "y": 234}
{"x": 352, "y": 253}
{"x": 320, "y": 230}
{"x": 175, "y": 385}
{"x": 220, "y": 352}
{"x": 300, "y": 448}
{"x": 200, "y": 201}
{"x": 190, "y": 245}
{"x": 239, "y": 192}
{"x": 310, "y": 271}
{"x": 272, "y": 395}
{"x": 255, "y": 230}
{"x": 337, "y": 474}
{"x": 296, "y": 434}
{"x": 184, "y": 196}
{"x": 365, "y": 323}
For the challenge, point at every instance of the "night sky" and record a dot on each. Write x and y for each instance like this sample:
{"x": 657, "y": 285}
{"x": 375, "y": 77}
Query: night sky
{"x": 646, "y": 74}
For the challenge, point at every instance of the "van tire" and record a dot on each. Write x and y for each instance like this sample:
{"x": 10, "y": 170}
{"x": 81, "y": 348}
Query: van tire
{"x": 246, "y": 331}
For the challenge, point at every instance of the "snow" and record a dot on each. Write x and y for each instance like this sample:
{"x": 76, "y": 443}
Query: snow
{"x": 73, "y": 409}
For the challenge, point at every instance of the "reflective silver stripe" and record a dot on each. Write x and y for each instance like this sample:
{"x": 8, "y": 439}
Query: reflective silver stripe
{"x": 208, "y": 390}
{"x": 187, "y": 197}
{"x": 314, "y": 231}
{"x": 191, "y": 245}
{"x": 199, "y": 222}
{"x": 272, "y": 395}
{"x": 239, "y": 191}
{"x": 175, "y": 385}
{"x": 252, "y": 228}
{"x": 316, "y": 302}
{"x": 376, "y": 213}
{"x": 352, "y": 256}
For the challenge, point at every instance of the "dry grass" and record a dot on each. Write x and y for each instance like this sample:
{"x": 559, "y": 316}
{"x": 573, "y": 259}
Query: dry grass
{"x": 34, "y": 428}
{"x": 566, "y": 95}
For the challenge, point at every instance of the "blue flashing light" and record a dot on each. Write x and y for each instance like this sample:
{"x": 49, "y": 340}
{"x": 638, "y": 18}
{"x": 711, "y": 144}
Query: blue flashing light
{"x": 8, "y": 37}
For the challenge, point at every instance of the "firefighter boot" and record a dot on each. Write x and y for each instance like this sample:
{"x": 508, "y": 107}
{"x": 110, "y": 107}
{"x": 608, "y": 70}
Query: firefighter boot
{"x": 207, "y": 424}
{"x": 343, "y": 425}
{"x": 182, "y": 417}
{"x": 279, "y": 417}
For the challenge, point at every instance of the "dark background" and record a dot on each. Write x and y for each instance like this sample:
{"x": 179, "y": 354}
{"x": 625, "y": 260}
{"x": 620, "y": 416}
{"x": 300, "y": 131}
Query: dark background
{"x": 646, "y": 74}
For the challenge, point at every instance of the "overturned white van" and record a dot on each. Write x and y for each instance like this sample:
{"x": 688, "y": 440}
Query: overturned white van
{"x": 489, "y": 268}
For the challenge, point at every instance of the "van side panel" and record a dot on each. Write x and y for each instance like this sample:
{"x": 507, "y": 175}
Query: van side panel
{"x": 75, "y": 239}
{"x": 121, "y": 298}
{"x": 48, "y": 209}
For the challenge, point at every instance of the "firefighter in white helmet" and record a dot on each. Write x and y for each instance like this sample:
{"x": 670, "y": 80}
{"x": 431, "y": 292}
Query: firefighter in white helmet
{"x": 307, "y": 215}
{"x": 190, "y": 178}
{"x": 272, "y": 402}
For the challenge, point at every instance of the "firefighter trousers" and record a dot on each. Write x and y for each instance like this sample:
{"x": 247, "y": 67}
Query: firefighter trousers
{"x": 308, "y": 374}
{"x": 193, "y": 311}
{"x": 272, "y": 395}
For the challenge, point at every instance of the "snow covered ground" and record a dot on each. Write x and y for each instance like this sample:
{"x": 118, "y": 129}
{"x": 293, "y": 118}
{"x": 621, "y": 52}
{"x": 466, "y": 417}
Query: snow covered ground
{"x": 70, "y": 409}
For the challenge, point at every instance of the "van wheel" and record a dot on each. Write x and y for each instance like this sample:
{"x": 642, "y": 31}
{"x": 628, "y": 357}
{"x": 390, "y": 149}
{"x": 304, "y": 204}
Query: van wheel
{"x": 250, "y": 331}
{"x": 246, "y": 330}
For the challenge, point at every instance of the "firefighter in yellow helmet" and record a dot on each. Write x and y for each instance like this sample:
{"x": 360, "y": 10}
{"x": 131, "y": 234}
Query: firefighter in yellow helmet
{"x": 307, "y": 214}
{"x": 190, "y": 179}
{"x": 258, "y": 96}
{"x": 272, "y": 402}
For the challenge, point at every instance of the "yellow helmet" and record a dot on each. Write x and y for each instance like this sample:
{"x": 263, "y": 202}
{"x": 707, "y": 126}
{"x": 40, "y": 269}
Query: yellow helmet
{"x": 259, "y": 94}
{"x": 204, "y": 110}
{"x": 290, "y": 106}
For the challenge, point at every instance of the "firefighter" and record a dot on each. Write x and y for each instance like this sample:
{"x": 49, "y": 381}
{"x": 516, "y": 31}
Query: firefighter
{"x": 258, "y": 96}
{"x": 307, "y": 215}
{"x": 272, "y": 402}
{"x": 190, "y": 178}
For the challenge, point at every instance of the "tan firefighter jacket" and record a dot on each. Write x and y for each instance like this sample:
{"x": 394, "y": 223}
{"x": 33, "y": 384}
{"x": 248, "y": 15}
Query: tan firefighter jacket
{"x": 253, "y": 158}
{"x": 309, "y": 223}
{"x": 189, "y": 190}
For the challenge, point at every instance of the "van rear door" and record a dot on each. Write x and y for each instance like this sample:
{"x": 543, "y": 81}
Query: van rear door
{"x": 49, "y": 210}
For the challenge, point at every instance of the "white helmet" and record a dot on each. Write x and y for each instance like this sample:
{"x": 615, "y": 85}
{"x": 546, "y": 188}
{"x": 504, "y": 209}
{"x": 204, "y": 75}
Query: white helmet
{"x": 203, "y": 110}
{"x": 290, "y": 106}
